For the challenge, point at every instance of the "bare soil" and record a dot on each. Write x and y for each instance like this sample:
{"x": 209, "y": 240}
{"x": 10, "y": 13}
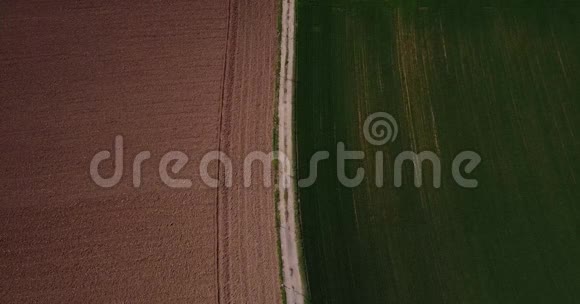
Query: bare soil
{"x": 179, "y": 75}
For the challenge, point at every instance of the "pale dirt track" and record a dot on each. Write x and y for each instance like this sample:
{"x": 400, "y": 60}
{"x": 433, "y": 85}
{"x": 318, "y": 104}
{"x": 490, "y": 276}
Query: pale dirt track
{"x": 289, "y": 240}
{"x": 75, "y": 74}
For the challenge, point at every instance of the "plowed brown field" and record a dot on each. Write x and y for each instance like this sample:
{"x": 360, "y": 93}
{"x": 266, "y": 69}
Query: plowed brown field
{"x": 174, "y": 75}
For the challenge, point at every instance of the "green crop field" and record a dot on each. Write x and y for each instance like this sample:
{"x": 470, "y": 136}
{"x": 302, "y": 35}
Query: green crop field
{"x": 501, "y": 81}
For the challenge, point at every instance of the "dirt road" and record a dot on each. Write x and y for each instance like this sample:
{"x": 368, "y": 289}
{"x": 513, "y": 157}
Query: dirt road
{"x": 185, "y": 76}
{"x": 289, "y": 240}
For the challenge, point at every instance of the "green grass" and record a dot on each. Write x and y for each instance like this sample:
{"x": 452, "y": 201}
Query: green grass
{"x": 502, "y": 82}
